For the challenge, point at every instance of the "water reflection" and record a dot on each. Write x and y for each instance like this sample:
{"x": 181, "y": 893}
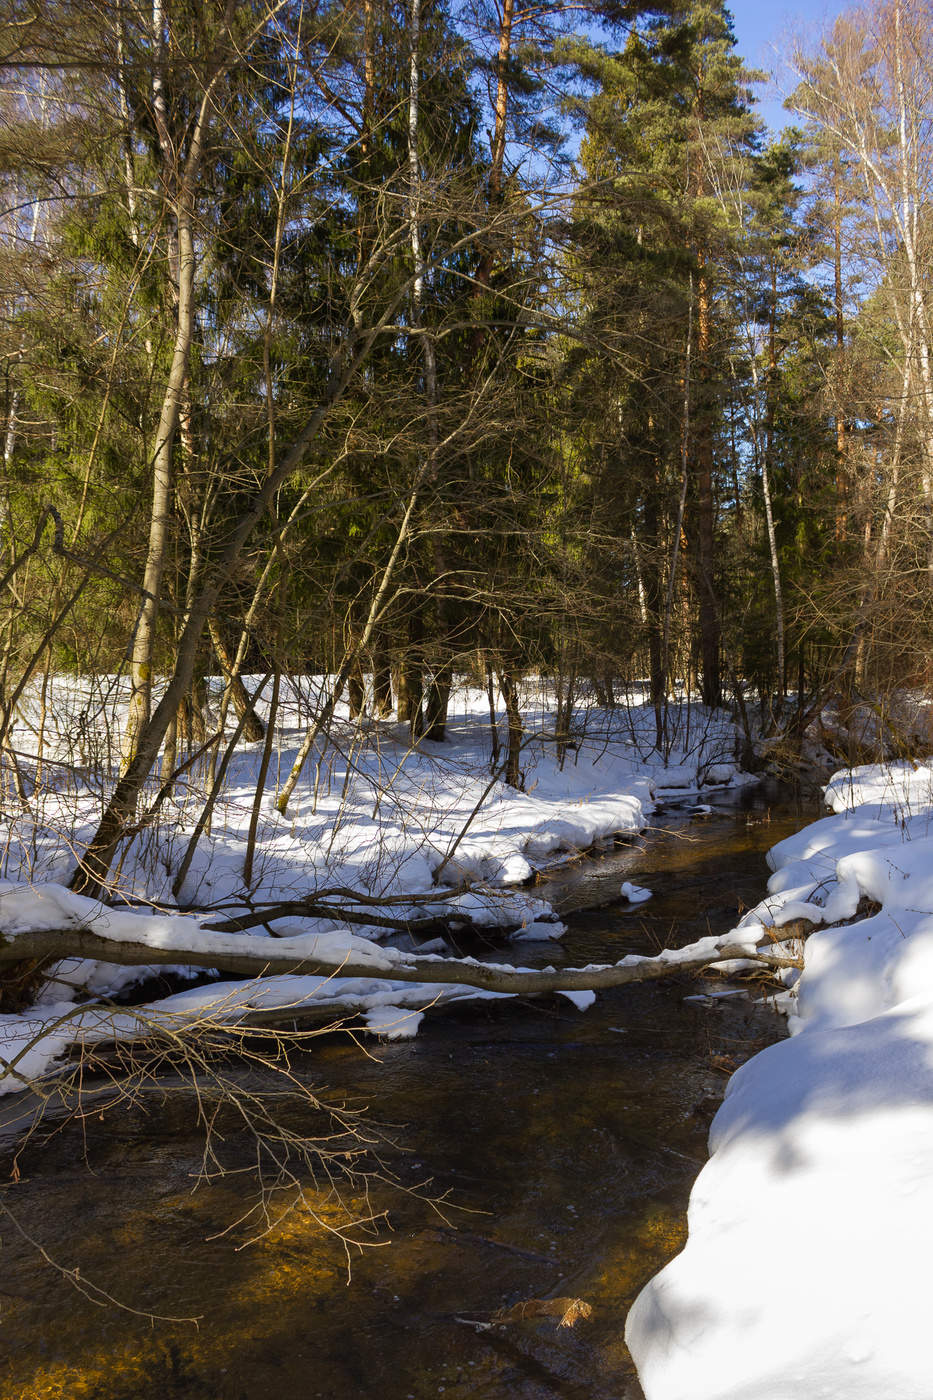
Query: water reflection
{"x": 564, "y": 1146}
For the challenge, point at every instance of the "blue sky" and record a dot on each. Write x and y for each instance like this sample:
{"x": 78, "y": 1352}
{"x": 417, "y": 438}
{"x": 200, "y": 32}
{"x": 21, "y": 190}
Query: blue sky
{"x": 765, "y": 29}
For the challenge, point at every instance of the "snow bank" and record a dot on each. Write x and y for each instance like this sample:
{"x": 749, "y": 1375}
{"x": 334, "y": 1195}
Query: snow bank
{"x": 371, "y": 814}
{"x": 811, "y": 1226}
{"x": 903, "y": 787}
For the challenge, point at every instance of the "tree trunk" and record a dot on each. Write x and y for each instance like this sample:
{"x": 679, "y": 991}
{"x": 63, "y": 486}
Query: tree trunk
{"x": 430, "y": 724}
{"x": 766, "y": 458}
{"x": 654, "y": 609}
{"x": 839, "y": 309}
{"x": 708, "y": 607}
{"x": 356, "y": 692}
{"x": 509, "y": 692}
{"x": 438, "y": 699}
{"x": 253, "y": 956}
{"x": 411, "y": 677}
{"x": 497, "y": 138}
{"x": 254, "y": 730}
{"x": 382, "y": 684}
{"x": 496, "y": 747}
{"x": 179, "y": 211}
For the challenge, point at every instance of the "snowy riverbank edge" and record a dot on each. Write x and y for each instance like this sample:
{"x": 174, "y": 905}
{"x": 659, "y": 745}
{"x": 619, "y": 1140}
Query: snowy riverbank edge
{"x": 811, "y": 1225}
{"x": 376, "y": 816}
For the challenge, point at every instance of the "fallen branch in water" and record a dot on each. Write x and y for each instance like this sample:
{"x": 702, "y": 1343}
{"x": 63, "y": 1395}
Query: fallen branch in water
{"x": 246, "y": 955}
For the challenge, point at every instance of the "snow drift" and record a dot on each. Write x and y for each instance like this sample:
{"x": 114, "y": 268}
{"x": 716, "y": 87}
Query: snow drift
{"x": 811, "y": 1226}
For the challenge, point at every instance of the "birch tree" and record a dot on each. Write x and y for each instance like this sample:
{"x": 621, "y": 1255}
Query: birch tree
{"x": 869, "y": 92}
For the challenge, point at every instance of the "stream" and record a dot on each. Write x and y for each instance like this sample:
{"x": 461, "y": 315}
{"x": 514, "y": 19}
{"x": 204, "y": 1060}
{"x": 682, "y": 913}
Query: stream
{"x": 564, "y": 1146}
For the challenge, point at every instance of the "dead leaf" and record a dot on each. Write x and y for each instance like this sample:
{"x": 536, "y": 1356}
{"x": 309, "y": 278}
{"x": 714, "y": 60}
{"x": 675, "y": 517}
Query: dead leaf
{"x": 725, "y": 1064}
{"x": 568, "y": 1311}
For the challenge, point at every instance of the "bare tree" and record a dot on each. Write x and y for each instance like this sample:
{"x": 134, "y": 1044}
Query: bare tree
{"x": 868, "y": 92}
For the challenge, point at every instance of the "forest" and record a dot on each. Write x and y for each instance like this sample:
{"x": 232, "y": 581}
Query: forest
{"x": 414, "y": 342}
{"x": 435, "y": 433}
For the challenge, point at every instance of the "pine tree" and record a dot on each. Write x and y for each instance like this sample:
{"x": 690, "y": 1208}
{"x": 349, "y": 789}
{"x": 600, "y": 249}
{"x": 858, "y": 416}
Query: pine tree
{"x": 668, "y": 130}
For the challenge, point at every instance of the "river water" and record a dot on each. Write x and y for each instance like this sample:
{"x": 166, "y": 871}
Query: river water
{"x": 564, "y": 1145}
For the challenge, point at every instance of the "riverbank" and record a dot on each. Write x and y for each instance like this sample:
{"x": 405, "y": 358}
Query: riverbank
{"x": 564, "y": 1145}
{"x": 813, "y": 1219}
{"x": 373, "y": 811}
{"x": 418, "y": 833}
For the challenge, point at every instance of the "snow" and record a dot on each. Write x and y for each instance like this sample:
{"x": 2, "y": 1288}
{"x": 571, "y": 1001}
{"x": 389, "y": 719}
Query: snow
{"x": 676, "y": 777}
{"x": 811, "y": 1226}
{"x": 392, "y": 1022}
{"x": 31, "y": 1042}
{"x": 905, "y": 786}
{"x": 635, "y": 894}
{"x": 539, "y": 931}
{"x": 370, "y": 811}
{"x": 581, "y": 1000}
{"x": 371, "y": 814}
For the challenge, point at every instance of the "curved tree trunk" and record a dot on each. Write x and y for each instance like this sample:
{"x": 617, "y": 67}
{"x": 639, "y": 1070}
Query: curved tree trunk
{"x": 253, "y": 728}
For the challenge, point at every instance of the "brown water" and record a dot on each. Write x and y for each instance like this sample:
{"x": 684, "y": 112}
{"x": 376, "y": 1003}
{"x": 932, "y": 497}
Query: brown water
{"x": 566, "y": 1145}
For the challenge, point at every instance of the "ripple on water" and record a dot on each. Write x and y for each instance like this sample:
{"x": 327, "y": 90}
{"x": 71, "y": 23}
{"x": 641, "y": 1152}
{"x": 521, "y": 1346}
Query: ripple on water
{"x": 564, "y": 1146}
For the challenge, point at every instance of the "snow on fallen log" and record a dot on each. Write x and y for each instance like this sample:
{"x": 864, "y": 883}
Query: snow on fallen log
{"x": 128, "y": 938}
{"x": 305, "y": 972}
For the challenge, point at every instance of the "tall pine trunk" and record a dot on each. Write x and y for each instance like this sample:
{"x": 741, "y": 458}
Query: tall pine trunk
{"x": 707, "y": 604}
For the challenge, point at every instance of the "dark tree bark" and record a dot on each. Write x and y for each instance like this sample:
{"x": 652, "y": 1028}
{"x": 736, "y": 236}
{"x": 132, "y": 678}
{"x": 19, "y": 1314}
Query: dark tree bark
{"x": 509, "y": 690}
{"x": 254, "y": 730}
{"x": 707, "y": 603}
{"x": 382, "y": 684}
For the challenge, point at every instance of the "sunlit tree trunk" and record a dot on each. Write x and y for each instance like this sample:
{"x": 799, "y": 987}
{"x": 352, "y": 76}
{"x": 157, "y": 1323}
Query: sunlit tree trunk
{"x": 707, "y": 605}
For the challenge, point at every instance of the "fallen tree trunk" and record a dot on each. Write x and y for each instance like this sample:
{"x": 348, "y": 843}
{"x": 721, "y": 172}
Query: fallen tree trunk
{"x": 244, "y": 955}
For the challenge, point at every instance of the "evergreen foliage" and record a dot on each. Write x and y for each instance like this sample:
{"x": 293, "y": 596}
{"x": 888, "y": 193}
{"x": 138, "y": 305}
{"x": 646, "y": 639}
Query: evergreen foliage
{"x": 493, "y": 343}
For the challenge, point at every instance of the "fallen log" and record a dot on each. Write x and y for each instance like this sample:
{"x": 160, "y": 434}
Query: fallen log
{"x": 247, "y": 955}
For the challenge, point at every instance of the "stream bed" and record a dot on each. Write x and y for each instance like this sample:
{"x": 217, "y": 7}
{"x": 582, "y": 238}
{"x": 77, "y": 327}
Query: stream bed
{"x": 564, "y": 1146}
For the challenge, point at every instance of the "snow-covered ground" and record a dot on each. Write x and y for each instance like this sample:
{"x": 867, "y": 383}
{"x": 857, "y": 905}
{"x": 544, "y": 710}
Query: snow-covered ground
{"x": 811, "y": 1227}
{"x": 371, "y": 814}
